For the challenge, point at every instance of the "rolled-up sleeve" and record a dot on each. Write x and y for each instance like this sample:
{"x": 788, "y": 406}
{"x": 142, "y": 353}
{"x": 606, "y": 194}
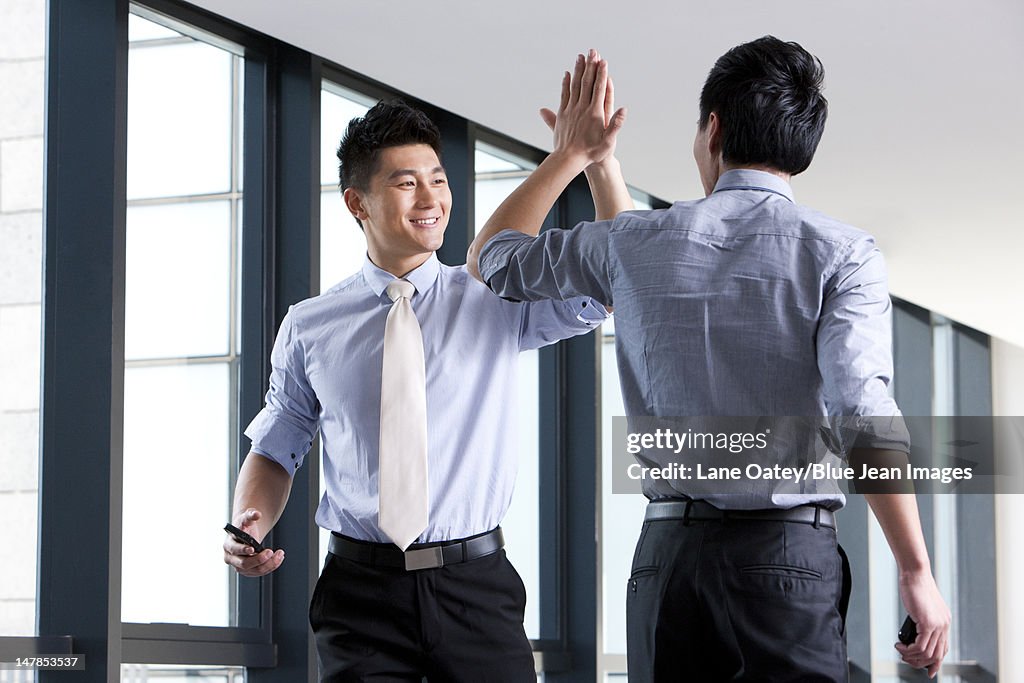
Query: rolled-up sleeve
{"x": 855, "y": 349}
{"x": 557, "y": 264}
{"x": 545, "y": 322}
{"x": 284, "y": 429}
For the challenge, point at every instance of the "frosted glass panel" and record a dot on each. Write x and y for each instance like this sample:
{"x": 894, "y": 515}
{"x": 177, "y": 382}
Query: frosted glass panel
{"x": 179, "y": 120}
{"x": 335, "y": 113}
{"x": 176, "y": 450}
{"x": 177, "y": 289}
{"x": 342, "y": 245}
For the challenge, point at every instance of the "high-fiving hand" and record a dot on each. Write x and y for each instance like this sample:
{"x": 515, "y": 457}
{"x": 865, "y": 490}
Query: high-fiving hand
{"x": 586, "y": 124}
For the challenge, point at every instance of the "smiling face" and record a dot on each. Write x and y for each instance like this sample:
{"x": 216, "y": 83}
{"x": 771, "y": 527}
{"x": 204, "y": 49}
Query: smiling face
{"x": 404, "y": 209}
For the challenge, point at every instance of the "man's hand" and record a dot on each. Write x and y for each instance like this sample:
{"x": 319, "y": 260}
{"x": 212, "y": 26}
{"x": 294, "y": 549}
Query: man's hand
{"x": 609, "y": 112}
{"x": 926, "y": 607}
{"x": 585, "y": 134}
{"x": 587, "y": 124}
{"x": 242, "y": 557}
{"x": 897, "y": 515}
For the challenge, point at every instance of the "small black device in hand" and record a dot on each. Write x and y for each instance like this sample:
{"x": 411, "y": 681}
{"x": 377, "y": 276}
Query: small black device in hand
{"x": 245, "y": 538}
{"x": 908, "y": 632}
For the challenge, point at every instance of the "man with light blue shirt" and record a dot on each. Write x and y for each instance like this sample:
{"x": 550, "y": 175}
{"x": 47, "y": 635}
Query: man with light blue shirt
{"x": 740, "y": 304}
{"x": 445, "y": 603}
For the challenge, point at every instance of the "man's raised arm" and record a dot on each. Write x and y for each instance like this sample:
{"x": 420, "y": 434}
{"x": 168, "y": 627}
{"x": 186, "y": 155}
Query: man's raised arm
{"x": 585, "y": 133}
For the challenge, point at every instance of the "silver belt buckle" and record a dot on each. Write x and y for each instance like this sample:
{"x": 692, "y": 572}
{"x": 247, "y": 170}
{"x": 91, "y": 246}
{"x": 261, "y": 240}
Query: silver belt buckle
{"x": 424, "y": 558}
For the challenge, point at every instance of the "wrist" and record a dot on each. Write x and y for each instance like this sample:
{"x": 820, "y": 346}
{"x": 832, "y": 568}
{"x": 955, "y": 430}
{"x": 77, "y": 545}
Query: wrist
{"x": 607, "y": 166}
{"x": 913, "y": 571}
{"x": 569, "y": 160}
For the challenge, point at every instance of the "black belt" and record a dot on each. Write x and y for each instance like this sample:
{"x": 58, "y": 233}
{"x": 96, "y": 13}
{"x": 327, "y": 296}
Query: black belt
{"x": 699, "y": 511}
{"x": 418, "y": 555}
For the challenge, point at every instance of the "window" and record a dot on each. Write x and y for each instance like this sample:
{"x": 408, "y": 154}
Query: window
{"x": 342, "y": 246}
{"x": 182, "y": 348}
{"x": 22, "y": 35}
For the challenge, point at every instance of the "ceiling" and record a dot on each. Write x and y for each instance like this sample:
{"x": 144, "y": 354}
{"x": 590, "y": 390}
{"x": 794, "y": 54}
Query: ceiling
{"x": 925, "y": 141}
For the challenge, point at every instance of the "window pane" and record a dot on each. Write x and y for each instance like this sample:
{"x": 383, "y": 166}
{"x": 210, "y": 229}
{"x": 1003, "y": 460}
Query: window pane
{"x": 176, "y": 442}
{"x": 338, "y": 106}
{"x": 179, "y": 119}
{"x": 22, "y": 97}
{"x": 177, "y": 283}
{"x": 140, "y": 29}
{"x": 497, "y": 174}
{"x": 181, "y": 304}
{"x": 342, "y": 245}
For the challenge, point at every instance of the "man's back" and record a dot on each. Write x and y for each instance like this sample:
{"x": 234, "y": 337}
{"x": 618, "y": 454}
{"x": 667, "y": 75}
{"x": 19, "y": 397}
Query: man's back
{"x": 733, "y": 304}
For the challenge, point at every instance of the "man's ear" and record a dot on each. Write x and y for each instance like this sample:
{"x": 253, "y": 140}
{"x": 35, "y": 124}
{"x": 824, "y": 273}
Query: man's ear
{"x": 354, "y": 203}
{"x": 714, "y": 135}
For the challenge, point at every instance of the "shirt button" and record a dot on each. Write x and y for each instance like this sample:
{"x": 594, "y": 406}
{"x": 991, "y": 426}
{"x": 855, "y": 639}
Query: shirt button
{"x": 293, "y": 456}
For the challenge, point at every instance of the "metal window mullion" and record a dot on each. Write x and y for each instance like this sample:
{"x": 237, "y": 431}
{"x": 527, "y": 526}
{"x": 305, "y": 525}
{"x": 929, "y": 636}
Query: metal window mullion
{"x": 234, "y": 286}
{"x": 977, "y": 605}
{"x": 295, "y": 230}
{"x": 578, "y": 480}
{"x": 230, "y": 195}
{"x": 82, "y": 397}
{"x": 178, "y": 360}
{"x": 253, "y": 597}
{"x": 160, "y": 42}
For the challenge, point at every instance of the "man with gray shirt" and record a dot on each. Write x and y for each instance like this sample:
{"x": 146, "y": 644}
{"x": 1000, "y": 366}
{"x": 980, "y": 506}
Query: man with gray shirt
{"x": 740, "y": 304}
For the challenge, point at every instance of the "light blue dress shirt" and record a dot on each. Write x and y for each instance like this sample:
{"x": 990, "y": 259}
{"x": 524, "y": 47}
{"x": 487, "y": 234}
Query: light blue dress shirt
{"x": 326, "y": 373}
{"x": 743, "y": 303}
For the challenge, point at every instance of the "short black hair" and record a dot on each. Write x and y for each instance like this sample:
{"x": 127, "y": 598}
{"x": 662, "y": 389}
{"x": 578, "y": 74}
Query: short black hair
{"x": 767, "y": 96}
{"x": 386, "y": 124}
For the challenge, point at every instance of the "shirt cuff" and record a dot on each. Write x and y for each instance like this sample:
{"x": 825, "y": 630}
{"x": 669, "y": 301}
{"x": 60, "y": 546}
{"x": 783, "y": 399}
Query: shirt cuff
{"x": 275, "y": 438}
{"x": 592, "y": 313}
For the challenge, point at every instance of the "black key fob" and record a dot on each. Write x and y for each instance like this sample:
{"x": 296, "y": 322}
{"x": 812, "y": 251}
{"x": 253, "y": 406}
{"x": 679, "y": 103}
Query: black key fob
{"x": 908, "y": 632}
{"x": 245, "y": 538}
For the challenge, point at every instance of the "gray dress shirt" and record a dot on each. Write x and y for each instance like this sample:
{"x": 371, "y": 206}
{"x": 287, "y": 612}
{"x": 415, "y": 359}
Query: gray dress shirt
{"x": 740, "y": 304}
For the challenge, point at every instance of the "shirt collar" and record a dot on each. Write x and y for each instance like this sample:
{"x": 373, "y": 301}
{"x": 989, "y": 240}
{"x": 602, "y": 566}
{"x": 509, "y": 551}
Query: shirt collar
{"x": 749, "y": 179}
{"x": 422, "y": 278}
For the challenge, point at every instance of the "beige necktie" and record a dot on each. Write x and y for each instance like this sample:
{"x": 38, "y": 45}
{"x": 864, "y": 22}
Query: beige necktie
{"x": 403, "y": 422}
